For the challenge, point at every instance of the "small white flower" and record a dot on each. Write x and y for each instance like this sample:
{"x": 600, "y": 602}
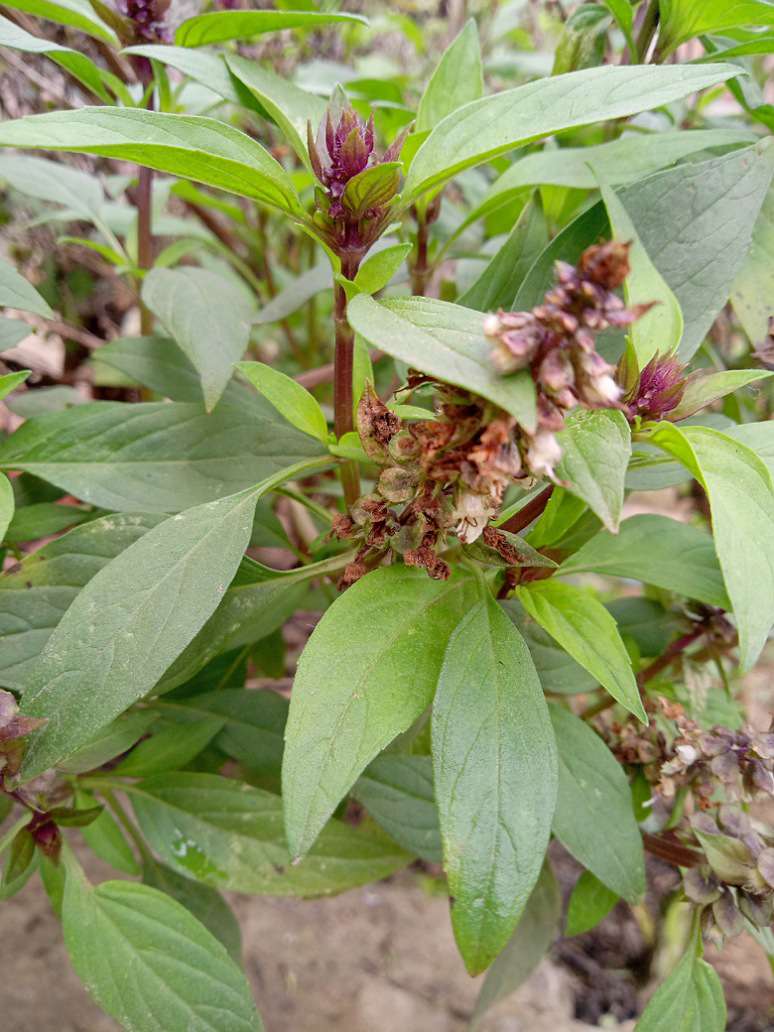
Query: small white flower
{"x": 543, "y": 454}
{"x": 687, "y": 754}
{"x": 607, "y": 389}
{"x": 492, "y": 325}
{"x": 472, "y": 514}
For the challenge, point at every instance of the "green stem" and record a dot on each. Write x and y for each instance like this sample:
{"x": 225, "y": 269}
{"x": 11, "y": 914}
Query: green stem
{"x": 119, "y": 813}
{"x": 647, "y": 30}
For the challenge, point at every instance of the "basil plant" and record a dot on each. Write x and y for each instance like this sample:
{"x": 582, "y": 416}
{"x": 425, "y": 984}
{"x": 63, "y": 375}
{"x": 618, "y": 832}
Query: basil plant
{"x": 467, "y": 362}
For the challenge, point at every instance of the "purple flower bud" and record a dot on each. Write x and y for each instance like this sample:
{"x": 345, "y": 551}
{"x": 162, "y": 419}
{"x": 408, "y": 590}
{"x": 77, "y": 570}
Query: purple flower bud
{"x": 343, "y": 149}
{"x": 659, "y": 389}
{"x": 147, "y": 17}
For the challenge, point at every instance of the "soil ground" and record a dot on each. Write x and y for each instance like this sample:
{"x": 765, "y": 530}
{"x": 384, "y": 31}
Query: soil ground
{"x": 379, "y": 959}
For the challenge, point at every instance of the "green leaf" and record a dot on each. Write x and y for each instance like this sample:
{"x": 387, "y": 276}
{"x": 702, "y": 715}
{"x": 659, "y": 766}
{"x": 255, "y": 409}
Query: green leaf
{"x": 153, "y": 362}
{"x": 645, "y": 622}
{"x": 656, "y": 550}
{"x": 230, "y": 836}
{"x": 32, "y": 522}
{"x": 583, "y": 39}
{"x": 348, "y": 704}
{"x": 754, "y": 284}
{"x": 446, "y": 341}
{"x": 702, "y": 390}
{"x": 203, "y": 66}
{"x": 560, "y": 516}
{"x": 374, "y": 187}
{"x": 579, "y": 622}
{"x": 485, "y": 128}
{"x": 169, "y": 748}
{"x": 148, "y": 962}
{"x": 696, "y": 223}
{"x": 253, "y": 724}
{"x": 759, "y": 437}
{"x": 659, "y": 330}
{"x": 156, "y": 456}
{"x": 494, "y": 759}
{"x": 380, "y": 266}
{"x": 219, "y": 26}
{"x": 207, "y": 315}
{"x": 590, "y": 902}
{"x": 691, "y": 999}
{"x": 596, "y": 447}
{"x": 133, "y": 619}
{"x": 629, "y": 158}
{"x": 289, "y": 398}
{"x": 397, "y": 791}
{"x": 558, "y": 672}
{"x": 741, "y": 498}
{"x": 498, "y": 284}
{"x": 457, "y": 79}
{"x": 594, "y": 818}
{"x": 130, "y": 622}
{"x": 623, "y": 12}
{"x": 534, "y": 934}
{"x": 105, "y": 838}
{"x": 81, "y": 67}
{"x": 289, "y": 106}
{"x": 191, "y": 146}
{"x": 77, "y": 14}
{"x": 567, "y": 245}
{"x": 296, "y": 294}
{"x": 206, "y": 904}
{"x": 16, "y": 292}
{"x": 34, "y": 596}
{"x": 682, "y": 19}
{"x": 7, "y": 505}
{"x": 251, "y": 609}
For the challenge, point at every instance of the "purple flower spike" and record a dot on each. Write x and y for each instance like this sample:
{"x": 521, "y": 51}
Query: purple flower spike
{"x": 659, "y": 389}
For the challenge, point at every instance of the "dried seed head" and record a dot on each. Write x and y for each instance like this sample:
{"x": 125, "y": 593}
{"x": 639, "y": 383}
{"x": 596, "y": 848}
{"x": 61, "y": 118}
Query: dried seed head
{"x": 376, "y": 425}
{"x": 606, "y": 264}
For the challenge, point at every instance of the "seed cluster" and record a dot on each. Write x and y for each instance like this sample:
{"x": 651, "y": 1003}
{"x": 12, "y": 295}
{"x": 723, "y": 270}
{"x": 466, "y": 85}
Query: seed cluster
{"x": 716, "y": 774}
{"x": 450, "y": 472}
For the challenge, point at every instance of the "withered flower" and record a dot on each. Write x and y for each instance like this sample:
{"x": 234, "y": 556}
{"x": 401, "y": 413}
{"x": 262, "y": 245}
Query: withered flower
{"x": 14, "y": 728}
{"x": 448, "y": 474}
{"x": 715, "y": 774}
{"x": 357, "y": 186}
{"x": 555, "y": 341}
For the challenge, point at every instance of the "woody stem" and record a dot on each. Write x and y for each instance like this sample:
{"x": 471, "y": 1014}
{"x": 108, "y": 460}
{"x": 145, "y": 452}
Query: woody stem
{"x": 670, "y": 654}
{"x": 420, "y": 269}
{"x": 530, "y": 512}
{"x": 343, "y": 363}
